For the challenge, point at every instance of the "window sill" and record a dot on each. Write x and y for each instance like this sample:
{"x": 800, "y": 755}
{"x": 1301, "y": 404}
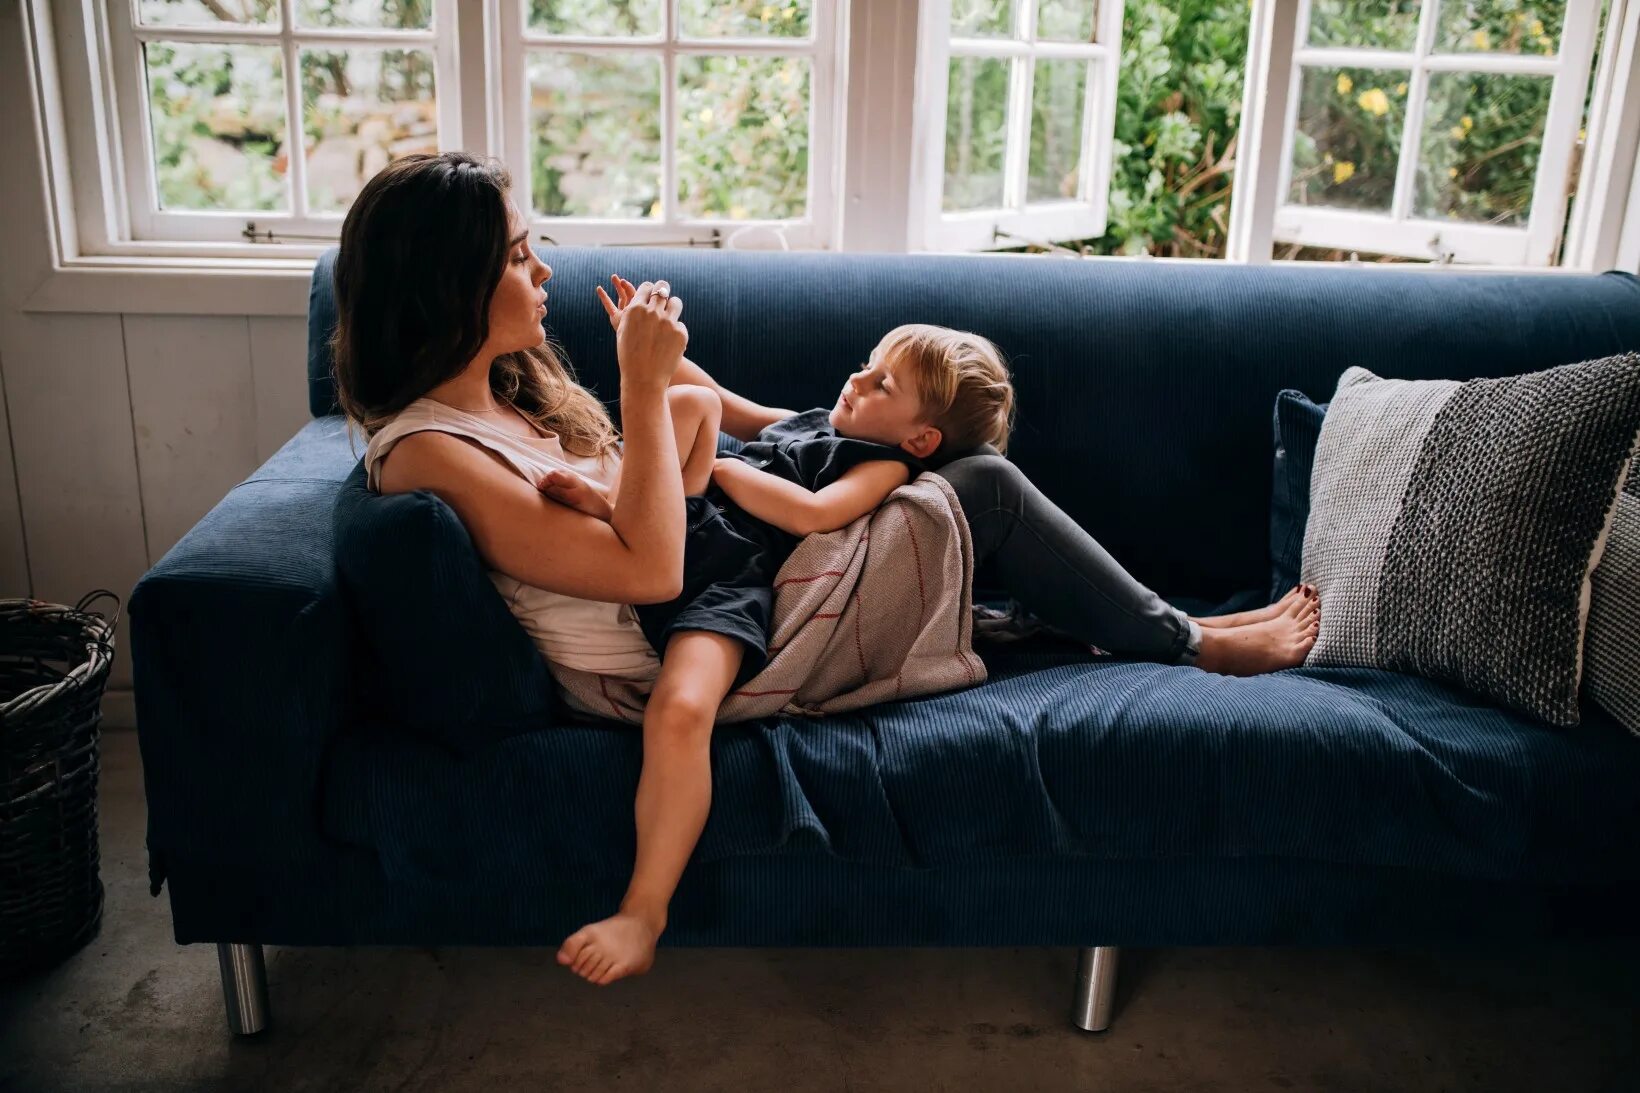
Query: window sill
{"x": 175, "y": 286}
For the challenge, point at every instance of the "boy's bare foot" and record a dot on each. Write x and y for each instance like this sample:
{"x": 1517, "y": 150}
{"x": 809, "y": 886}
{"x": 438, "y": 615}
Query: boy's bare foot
{"x": 622, "y": 944}
{"x": 1260, "y": 614}
{"x": 1279, "y": 642}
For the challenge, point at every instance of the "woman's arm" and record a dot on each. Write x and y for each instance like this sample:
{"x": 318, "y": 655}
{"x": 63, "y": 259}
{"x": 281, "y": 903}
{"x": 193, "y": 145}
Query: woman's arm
{"x": 637, "y": 557}
{"x": 799, "y": 511}
{"x": 520, "y": 531}
{"x": 743, "y": 419}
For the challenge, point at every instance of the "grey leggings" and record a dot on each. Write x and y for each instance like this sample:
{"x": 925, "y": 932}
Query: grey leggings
{"x": 1059, "y": 572}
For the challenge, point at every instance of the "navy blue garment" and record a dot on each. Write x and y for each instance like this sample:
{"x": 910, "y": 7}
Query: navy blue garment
{"x": 730, "y": 557}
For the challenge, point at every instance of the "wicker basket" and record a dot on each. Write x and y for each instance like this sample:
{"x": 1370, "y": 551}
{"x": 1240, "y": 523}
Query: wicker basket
{"x": 54, "y": 661}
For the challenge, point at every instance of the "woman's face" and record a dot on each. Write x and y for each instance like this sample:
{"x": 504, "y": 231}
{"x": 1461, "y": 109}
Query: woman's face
{"x": 520, "y": 302}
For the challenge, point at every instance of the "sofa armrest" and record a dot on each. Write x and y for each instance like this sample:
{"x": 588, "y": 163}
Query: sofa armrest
{"x": 242, "y": 659}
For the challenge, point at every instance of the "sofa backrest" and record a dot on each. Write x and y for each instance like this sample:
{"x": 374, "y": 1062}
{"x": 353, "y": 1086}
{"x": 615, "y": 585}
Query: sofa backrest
{"x": 1144, "y": 388}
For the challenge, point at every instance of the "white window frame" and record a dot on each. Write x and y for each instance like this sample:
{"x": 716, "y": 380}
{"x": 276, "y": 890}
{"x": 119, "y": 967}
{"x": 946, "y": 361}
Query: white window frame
{"x": 1597, "y": 236}
{"x": 815, "y": 229}
{"x": 1082, "y": 218}
{"x": 880, "y": 208}
{"x": 1399, "y": 231}
{"x": 139, "y": 212}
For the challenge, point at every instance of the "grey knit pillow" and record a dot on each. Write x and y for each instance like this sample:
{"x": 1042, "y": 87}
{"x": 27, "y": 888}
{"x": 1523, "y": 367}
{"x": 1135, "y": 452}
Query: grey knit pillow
{"x": 1453, "y": 525}
{"x": 1612, "y": 651}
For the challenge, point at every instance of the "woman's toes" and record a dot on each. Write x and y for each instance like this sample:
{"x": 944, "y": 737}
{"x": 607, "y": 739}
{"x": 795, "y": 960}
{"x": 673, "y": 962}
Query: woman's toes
{"x": 590, "y": 956}
{"x": 574, "y": 945}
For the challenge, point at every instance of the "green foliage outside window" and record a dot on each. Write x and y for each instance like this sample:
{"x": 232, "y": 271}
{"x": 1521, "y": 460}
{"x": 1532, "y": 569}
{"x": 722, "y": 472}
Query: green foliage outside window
{"x": 743, "y": 122}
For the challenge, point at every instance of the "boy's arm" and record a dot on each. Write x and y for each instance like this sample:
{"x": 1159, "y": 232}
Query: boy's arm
{"x": 799, "y": 511}
{"x": 743, "y": 419}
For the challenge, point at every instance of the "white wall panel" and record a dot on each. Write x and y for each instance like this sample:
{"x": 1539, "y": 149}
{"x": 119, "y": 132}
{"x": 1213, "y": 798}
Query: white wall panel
{"x": 279, "y": 373}
{"x": 70, "y": 417}
{"x": 14, "y": 580}
{"x": 194, "y": 410}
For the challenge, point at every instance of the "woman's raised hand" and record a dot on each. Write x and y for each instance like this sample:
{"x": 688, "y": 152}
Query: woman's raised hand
{"x": 649, "y": 338}
{"x": 624, "y": 291}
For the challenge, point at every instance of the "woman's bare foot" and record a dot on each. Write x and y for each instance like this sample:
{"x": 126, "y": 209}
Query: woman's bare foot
{"x": 622, "y": 944}
{"x": 1279, "y": 642}
{"x": 1244, "y": 618}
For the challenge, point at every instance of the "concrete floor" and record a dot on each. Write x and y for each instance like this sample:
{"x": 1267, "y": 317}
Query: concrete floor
{"x": 135, "y": 1011}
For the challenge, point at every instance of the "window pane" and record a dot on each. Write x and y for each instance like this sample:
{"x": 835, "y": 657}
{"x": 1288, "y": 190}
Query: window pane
{"x": 1065, "y": 20}
{"x": 1500, "y": 26}
{"x": 1348, "y": 139}
{"x": 595, "y": 134}
{"x": 1374, "y": 24}
{"x": 601, "y": 18}
{"x": 388, "y": 14}
{"x": 363, "y": 108}
{"x": 1056, "y": 130}
{"x": 175, "y": 13}
{"x": 218, "y": 114}
{"x": 744, "y": 18}
{"x": 743, "y": 136}
{"x": 1479, "y": 152}
{"x": 982, "y": 18}
{"x": 976, "y": 132}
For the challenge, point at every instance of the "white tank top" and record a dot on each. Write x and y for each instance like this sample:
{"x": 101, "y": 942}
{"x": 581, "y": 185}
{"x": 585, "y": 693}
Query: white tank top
{"x": 587, "y": 634}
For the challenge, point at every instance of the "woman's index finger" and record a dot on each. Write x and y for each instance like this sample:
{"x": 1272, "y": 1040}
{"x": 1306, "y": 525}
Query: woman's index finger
{"x": 603, "y": 298}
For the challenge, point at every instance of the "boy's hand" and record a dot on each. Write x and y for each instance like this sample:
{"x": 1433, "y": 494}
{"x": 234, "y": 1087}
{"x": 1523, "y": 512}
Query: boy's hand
{"x": 568, "y": 488}
{"x": 624, "y": 292}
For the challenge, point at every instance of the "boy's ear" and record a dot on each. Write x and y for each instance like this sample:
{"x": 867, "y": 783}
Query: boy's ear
{"x": 924, "y": 443}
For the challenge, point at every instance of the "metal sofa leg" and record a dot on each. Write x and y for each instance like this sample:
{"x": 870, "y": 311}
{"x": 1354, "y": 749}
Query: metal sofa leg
{"x": 244, "y": 987}
{"x": 1095, "y": 988}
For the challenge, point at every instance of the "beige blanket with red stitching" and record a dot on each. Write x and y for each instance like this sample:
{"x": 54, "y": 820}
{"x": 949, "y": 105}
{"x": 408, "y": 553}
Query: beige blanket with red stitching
{"x": 875, "y": 611}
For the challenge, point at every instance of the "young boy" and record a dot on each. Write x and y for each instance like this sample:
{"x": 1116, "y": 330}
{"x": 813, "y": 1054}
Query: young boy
{"x": 926, "y": 391}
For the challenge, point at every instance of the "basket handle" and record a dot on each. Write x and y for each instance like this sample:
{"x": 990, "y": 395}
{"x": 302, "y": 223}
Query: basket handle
{"x": 92, "y": 597}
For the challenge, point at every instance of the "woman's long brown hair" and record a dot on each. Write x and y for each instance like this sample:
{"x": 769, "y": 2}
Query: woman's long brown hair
{"x": 422, "y": 249}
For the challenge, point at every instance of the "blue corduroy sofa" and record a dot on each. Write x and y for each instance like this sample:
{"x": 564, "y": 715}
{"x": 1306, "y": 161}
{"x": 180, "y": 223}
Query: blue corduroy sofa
{"x": 1068, "y": 801}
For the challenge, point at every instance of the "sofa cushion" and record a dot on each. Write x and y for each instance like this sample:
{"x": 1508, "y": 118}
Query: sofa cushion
{"x": 449, "y": 660}
{"x": 1116, "y": 760}
{"x": 1453, "y": 526}
{"x": 1297, "y": 427}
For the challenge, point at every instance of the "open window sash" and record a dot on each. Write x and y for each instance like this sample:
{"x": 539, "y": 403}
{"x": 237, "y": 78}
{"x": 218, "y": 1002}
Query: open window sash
{"x": 1016, "y": 218}
{"x": 1399, "y": 230}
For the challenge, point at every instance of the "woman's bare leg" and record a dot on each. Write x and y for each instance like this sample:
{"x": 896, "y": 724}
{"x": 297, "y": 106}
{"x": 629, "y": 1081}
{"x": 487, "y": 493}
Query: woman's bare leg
{"x": 697, "y": 415}
{"x": 674, "y": 797}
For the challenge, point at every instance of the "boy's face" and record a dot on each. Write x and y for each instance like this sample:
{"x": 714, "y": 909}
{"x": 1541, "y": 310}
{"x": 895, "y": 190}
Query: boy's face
{"x": 879, "y": 404}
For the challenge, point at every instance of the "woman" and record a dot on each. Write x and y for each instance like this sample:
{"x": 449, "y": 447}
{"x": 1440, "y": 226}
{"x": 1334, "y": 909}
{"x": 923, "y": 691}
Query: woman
{"x": 440, "y": 356}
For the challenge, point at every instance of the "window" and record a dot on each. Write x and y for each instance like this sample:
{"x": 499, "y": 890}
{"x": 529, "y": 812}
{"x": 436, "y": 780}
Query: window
{"x": 1423, "y": 129}
{"x": 1017, "y": 103}
{"x": 226, "y": 88}
{"x": 644, "y": 120}
{"x": 1435, "y": 130}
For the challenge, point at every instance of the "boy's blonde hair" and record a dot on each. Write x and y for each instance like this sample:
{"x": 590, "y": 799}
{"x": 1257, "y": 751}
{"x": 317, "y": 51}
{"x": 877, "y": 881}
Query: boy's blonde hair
{"x": 961, "y": 380}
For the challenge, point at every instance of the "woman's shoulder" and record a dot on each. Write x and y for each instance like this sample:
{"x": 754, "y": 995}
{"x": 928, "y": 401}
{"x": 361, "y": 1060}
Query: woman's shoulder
{"x": 419, "y": 449}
